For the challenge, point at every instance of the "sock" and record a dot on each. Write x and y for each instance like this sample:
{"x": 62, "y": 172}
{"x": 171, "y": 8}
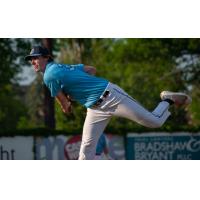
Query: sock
{"x": 169, "y": 101}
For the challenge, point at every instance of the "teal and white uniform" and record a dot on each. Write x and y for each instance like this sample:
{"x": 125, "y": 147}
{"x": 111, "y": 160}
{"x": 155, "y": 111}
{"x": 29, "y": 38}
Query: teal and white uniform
{"x": 88, "y": 90}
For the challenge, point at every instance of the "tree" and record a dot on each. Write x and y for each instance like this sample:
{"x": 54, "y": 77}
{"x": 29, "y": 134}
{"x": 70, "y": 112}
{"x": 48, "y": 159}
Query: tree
{"x": 143, "y": 67}
{"x": 49, "y": 113}
{"x": 11, "y": 107}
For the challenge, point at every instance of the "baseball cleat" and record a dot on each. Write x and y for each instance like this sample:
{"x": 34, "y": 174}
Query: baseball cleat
{"x": 177, "y": 97}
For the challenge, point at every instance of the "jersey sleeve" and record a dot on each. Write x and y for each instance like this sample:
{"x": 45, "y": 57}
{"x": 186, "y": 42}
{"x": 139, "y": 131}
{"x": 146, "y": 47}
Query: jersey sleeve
{"x": 54, "y": 86}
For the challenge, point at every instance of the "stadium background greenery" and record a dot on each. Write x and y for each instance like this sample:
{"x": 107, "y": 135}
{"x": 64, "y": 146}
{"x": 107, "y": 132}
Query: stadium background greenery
{"x": 142, "y": 67}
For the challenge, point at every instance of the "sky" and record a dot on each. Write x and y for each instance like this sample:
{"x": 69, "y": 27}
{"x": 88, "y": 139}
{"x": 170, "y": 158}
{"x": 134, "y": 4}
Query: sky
{"x": 27, "y": 75}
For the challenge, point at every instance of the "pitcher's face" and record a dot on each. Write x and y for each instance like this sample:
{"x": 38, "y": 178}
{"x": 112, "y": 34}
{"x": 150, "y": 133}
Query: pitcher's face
{"x": 39, "y": 63}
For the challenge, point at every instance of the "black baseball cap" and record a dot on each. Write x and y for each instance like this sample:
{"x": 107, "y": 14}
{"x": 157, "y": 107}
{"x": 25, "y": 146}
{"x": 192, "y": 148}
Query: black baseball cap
{"x": 37, "y": 51}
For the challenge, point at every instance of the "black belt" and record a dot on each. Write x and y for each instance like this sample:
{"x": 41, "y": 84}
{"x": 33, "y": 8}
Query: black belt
{"x": 105, "y": 94}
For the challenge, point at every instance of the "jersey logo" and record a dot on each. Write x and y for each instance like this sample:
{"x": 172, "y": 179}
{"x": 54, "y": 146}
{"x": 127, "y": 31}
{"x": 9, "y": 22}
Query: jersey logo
{"x": 69, "y": 67}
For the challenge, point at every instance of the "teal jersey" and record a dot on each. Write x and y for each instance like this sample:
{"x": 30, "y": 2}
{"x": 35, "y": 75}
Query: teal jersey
{"x": 74, "y": 81}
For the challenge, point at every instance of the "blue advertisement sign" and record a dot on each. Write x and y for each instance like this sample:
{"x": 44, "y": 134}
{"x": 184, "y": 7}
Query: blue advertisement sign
{"x": 163, "y": 146}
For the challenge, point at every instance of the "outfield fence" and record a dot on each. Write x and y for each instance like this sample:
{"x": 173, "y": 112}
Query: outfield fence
{"x": 130, "y": 146}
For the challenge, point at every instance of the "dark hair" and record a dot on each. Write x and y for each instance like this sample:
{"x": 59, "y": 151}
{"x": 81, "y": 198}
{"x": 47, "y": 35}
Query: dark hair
{"x": 50, "y": 58}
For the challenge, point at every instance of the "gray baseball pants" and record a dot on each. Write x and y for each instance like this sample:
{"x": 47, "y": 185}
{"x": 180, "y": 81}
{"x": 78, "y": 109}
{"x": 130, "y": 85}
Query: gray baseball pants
{"x": 117, "y": 103}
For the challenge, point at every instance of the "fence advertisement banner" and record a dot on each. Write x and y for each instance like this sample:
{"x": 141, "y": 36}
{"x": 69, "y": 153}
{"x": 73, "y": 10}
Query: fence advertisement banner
{"x": 62, "y": 147}
{"x": 16, "y": 148}
{"x": 50, "y": 148}
{"x": 163, "y": 146}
